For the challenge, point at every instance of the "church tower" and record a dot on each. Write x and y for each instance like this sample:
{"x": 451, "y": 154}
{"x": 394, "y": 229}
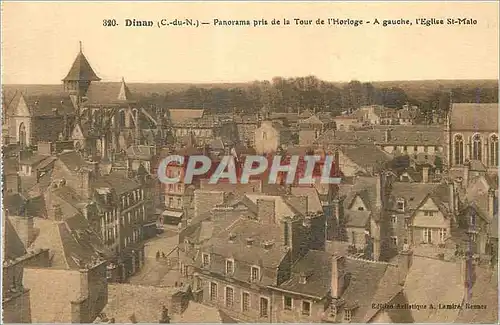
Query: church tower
{"x": 79, "y": 77}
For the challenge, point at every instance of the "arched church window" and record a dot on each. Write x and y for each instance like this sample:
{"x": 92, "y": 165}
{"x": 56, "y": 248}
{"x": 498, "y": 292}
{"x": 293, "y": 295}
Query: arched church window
{"x": 22, "y": 135}
{"x": 121, "y": 119}
{"x": 459, "y": 149}
{"x": 494, "y": 150}
{"x": 476, "y": 147}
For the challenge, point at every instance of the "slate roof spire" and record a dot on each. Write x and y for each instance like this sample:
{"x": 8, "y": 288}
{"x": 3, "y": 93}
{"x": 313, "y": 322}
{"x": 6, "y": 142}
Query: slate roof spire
{"x": 81, "y": 69}
{"x": 124, "y": 93}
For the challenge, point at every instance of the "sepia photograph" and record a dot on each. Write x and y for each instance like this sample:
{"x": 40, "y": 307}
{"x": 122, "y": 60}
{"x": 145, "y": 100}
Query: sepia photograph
{"x": 249, "y": 162}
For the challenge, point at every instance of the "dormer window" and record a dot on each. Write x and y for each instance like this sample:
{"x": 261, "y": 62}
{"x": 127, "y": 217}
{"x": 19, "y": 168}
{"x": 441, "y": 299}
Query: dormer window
{"x": 302, "y": 279}
{"x": 347, "y": 315}
{"x": 361, "y": 208}
{"x": 205, "y": 259}
{"x": 429, "y": 213}
{"x": 400, "y": 204}
{"x": 255, "y": 273}
{"x": 229, "y": 266}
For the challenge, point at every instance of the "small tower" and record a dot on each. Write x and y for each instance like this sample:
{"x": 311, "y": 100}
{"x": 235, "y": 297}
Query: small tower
{"x": 79, "y": 77}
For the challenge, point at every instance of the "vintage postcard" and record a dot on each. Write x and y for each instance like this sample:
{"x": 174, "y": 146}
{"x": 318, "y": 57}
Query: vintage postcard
{"x": 250, "y": 162}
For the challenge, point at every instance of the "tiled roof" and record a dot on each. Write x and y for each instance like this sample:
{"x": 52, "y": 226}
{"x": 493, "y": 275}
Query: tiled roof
{"x": 357, "y": 219}
{"x": 81, "y": 70}
{"x": 413, "y": 193}
{"x": 313, "y": 201}
{"x": 365, "y": 187}
{"x": 104, "y": 93}
{"x": 470, "y": 116}
{"x": 311, "y": 120}
{"x": 15, "y": 203}
{"x": 124, "y": 94}
{"x": 282, "y": 208}
{"x": 73, "y": 160}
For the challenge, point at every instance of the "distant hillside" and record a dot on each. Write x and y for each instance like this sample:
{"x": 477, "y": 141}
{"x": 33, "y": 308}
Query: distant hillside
{"x": 417, "y": 89}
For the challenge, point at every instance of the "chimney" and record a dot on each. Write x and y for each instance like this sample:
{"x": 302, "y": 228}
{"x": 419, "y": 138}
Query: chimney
{"x": 378, "y": 199}
{"x": 84, "y": 183}
{"x": 465, "y": 181}
{"x": 44, "y": 148}
{"x": 451, "y": 191}
{"x": 387, "y": 135}
{"x": 491, "y": 203}
{"x": 266, "y": 210}
{"x": 338, "y": 276}
{"x": 405, "y": 260}
{"x": 467, "y": 272}
{"x": 376, "y": 240}
{"x": 84, "y": 282}
{"x": 425, "y": 174}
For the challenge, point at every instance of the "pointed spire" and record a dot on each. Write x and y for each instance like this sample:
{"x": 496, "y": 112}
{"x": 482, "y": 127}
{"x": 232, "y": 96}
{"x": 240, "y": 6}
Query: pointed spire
{"x": 81, "y": 49}
{"x": 81, "y": 69}
{"x": 124, "y": 93}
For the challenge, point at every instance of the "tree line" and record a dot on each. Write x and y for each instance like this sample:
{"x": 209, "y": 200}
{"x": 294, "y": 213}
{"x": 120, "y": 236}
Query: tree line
{"x": 297, "y": 94}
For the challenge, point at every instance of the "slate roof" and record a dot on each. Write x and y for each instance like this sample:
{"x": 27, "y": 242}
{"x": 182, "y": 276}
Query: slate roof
{"x": 367, "y": 156}
{"x": 104, "y": 93}
{"x": 357, "y": 219}
{"x": 140, "y": 152}
{"x": 118, "y": 182}
{"x": 182, "y": 114}
{"x": 484, "y": 292}
{"x": 12, "y": 245}
{"x": 471, "y": 116}
{"x": 316, "y": 265}
{"x": 49, "y": 105}
{"x": 71, "y": 243}
{"x": 73, "y": 160}
{"x": 146, "y": 303}
{"x": 432, "y": 281}
{"x": 81, "y": 70}
{"x": 413, "y": 193}
{"x": 256, "y": 253}
{"x": 313, "y": 201}
{"x": 363, "y": 278}
{"x": 15, "y": 203}
{"x": 365, "y": 187}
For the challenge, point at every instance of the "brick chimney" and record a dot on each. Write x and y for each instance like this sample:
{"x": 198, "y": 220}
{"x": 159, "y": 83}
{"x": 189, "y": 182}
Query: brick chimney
{"x": 338, "y": 276}
{"x": 491, "y": 203}
{"x": 265, "y": 211}
{"x": 425, "y": 174}
{"x": 405, "y": 260}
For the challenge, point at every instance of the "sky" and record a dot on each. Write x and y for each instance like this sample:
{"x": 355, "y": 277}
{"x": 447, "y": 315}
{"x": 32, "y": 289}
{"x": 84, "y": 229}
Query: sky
{"x": 40, "y": 41}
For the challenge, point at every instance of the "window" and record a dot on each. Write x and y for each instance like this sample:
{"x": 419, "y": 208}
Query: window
{"x": 306, "y": 308}
{"x": 394, "y": 241}
{"x": 229, "y": 297}
{"x": 472, "y": 219}
{"x": 333, "y": 309}
{"x": 458, "y": 149}
{"x": 199, "y": 283}
{"x": 361, "y": 209}
{"x": 442, "y": 234}
{"x": 229, "y": 266}
{"x": 494, "y": 150}
{"x": 255, "y": 273}
{"x": 179, "y": 202}
{"x": 213, "y": 291}
{"x": 264, "y": 135}
{"x": 476, "y": 147}
{"x": 347, "y": 315}
{"x": 287, "y": 303}
{"x": 400, "y": 204}
{"x": 427, "y": 235}
{"x": 205, "y": 259}
{"x": 394, "y": 220}
{"x": 415, "y": 148}
{"x": 170, "y": 201}
{"x": 264, "y": 306}
{"x": 429, "y": 213}
{"x": 405, "y": 148}
{"x": 245, "y": 301}
{"x": 186, "y": 270}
